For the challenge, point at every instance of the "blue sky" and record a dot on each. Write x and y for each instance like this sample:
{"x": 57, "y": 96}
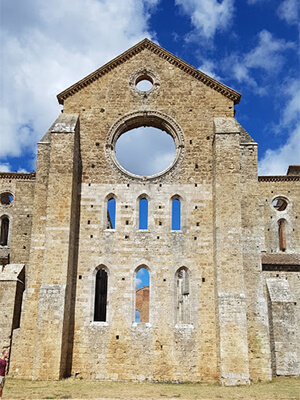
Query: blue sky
{"x": 250, "y": 45}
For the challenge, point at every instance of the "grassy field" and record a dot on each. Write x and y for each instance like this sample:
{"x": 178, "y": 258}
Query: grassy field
{"x": 278, "y": 389}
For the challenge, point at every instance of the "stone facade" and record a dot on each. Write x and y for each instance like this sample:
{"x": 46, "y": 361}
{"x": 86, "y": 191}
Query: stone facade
{"x": 220, "y": 306}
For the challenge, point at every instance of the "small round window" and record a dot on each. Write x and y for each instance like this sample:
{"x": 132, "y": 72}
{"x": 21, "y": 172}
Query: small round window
{"x": 6, "y": 198}
{"x": 280, "y": 203}
{"x": 144, "y": 84}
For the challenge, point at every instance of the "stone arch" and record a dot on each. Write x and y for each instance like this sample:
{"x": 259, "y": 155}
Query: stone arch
{"x": 137, "y": 119}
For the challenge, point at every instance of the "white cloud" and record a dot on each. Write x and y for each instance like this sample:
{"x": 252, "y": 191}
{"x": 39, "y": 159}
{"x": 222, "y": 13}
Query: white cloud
{"x": 49, "y": 45}
{"x": 145, "y": 151}
{"x": 138, "y": 283}
{"x": 5, "y": 167}
{"x": 208, "y": 16}
{"x": 275, "y": 162}
{"x": 268, "y": 53}
{"x": 208, "y": 67}
{"x": 265, "y": 59}
{"x": 291, "y": 112}
{"x": 288, "y": 10}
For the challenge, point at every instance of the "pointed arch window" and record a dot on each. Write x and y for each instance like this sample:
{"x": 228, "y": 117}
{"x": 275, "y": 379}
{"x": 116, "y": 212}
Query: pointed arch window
{"x": 282, "y": 234}
{"x": 111, "y": 213}
{"x": 142, "y": 295}
{"x": 182, "y": 300}
{"x": 4, "y": 231}
{"x": 100, "y": 295}
{"x": 143, "y": 213}
{"x": 176, "y": 214}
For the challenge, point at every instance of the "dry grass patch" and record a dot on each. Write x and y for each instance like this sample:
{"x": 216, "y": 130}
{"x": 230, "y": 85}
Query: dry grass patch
{"x": 278, "y": 389}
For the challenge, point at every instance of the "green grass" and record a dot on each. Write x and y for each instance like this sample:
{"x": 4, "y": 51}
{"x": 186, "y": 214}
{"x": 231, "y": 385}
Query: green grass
{"x": 278, "y": 389}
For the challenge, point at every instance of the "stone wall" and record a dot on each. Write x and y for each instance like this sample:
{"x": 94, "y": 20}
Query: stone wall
{"x": 224, "y": 334}
{"x": 20, "y": 188}
{"x": 281, "y": 270}
{"x": 12, "y": 285}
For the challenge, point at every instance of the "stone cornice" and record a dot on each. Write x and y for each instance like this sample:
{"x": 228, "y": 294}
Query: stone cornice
{"x": 166, "y": 55}
{"x": 278, "y": 178}
{"x": 18, "y": 175}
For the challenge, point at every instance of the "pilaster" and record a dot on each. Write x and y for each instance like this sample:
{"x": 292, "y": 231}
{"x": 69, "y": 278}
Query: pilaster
{"x": 54, "y": 319}
{"x": 228, "y": 256}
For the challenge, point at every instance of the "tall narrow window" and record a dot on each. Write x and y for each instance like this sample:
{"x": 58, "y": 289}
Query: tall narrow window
{"x": 111, "y": 213}
{"x": 4, "y": 231}
{"x": 281, "y": 234}
{"x": 182, "y": 300}
{"x": 100, "y": 295}
{"x": 143, "y": 213}
{"x": 176, "y": 217}
{"x": 142, "y": 295}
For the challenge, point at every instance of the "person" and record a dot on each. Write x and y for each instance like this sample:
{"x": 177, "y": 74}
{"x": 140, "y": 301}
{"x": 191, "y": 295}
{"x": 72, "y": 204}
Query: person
{"x": 3, "y": 362}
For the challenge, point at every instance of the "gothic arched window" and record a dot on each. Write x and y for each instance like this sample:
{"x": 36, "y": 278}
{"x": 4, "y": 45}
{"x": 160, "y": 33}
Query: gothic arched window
{"x": 4, "y": 231}
{"x": 111, "y": 213}
{"x": 143, "y": 213}
{"x": 176, "y": 214}
{"x": 182, "y": 300}
{"x": 282, "y": 234}
{"x": 100, "y": 295}
{"x": 142, "y": 295}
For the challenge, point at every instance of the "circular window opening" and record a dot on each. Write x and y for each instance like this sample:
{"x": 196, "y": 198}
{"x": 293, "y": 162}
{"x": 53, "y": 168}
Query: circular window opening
{"x": 280, "y": 204}
{"x": 144, "y": 84}
{"x": 6, "y": 198}
{"x": 145, "y": 151}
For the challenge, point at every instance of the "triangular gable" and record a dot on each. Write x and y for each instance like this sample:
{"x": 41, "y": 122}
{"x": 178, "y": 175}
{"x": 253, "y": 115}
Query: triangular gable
{"x": 166, "y": 55}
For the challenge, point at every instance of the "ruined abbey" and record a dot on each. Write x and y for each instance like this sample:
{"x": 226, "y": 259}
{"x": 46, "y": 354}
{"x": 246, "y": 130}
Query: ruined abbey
{"x": 223, "y": 300}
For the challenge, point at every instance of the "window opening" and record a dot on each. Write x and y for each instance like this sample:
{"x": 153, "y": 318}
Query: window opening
{"x": 182, "y": 296}
{"x": 145, "y": 151}
{"x": 4, "y": 231}
{"x": 280, "y": 204}
{"x": 281, "y": 234}
{"x": 100, "y": 295}
{"x": 144, "y": 85}
{"x": 142, "y": 295}
{"x": 143, "y": 213}
{"x": 176, "y": 217}
{"x": 111, "y": 213}
{"x": 6, "y": 198}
